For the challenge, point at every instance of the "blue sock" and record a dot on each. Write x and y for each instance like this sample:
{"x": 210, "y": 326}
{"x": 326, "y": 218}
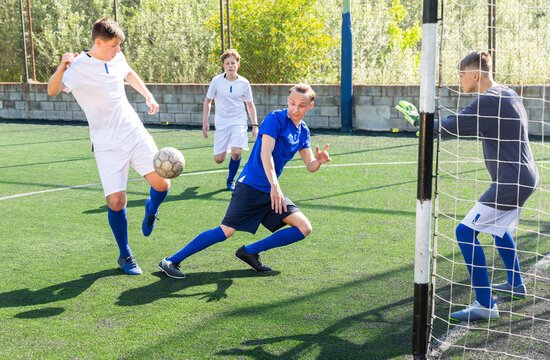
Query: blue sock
{"x": 476, "y": 263}
{"x": 201, "y": 242}
{"x": 157, "y": 197}
{"x": 119, "y": 225}
{"x": 507, "y": 250}
{"x": 280, "y": 238}
{"x": 233, "y": 168}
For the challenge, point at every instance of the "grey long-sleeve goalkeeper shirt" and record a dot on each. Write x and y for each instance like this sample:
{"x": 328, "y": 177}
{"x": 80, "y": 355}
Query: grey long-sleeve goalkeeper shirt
{"x": 499, "y": 118}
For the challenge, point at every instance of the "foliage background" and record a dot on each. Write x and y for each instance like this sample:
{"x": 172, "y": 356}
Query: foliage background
{"x": 282, "y": 41}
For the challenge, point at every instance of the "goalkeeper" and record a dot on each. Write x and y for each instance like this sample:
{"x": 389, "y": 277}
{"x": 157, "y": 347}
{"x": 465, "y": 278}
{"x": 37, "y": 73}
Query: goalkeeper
{"x": 498, "y": 116}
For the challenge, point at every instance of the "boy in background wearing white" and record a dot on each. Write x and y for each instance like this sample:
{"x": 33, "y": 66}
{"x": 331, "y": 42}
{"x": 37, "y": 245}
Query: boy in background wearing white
{"x": 230, "y": 91}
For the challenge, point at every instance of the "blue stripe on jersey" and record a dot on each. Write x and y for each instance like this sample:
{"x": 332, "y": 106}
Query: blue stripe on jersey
{"x": 106, "y": 68}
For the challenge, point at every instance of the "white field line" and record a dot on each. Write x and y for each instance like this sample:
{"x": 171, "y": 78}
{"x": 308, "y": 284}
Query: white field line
{"x": 219, "y": 171}
{"x": 198, "y": 173}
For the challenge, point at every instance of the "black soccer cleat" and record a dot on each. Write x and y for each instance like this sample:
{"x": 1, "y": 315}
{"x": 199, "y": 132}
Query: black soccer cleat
{"x": 171, "y": 269}
{"x": 251, "y": 259}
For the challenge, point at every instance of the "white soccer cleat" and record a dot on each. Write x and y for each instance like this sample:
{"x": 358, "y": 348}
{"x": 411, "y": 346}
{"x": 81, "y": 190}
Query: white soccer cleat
{"x": 475, "y": 312}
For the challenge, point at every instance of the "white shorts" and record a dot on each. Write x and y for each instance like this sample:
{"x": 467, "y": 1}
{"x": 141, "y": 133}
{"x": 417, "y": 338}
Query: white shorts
{"x": 114, "y": 165}
{"x": 232, "y": 136}
{"x": 492, "y": 221}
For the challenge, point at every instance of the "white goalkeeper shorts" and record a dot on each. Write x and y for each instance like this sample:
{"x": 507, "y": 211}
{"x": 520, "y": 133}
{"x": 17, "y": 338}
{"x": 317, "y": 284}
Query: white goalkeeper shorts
{"x": 492, "y": 221}
{"x": 114, "y": 165}
{"x": 232, "y": 136}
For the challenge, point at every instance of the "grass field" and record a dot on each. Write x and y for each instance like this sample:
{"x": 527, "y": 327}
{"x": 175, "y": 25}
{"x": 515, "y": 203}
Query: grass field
{"x": 345, "y": 292}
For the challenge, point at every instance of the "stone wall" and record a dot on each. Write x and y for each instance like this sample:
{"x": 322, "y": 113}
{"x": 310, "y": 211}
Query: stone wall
{"x": 182, "y": 104}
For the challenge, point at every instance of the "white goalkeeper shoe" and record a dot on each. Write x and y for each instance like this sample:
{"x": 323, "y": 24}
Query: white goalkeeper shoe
{"x": 475, "y": 312}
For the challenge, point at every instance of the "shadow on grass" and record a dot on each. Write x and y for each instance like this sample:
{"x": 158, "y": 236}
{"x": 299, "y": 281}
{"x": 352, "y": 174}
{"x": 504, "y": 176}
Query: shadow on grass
{"x": 56, "y": 141}
{"x": 50, "y": 294}
{"x": 46, "y": 162}
{"x": 328, "y": 343}
{"x": 40, "y": 313}
{"x": 189, "y": 193}
{"x": 167, "y": 287}
{"x": 389, "y": 326}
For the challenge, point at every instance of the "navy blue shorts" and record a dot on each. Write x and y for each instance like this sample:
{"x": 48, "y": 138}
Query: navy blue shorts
{"x": 249, "y": 208}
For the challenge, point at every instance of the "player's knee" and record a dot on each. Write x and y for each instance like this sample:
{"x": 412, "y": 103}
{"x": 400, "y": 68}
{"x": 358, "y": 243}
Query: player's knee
{"x": 116, "y": 204}
{"x": 162, "y": 185}
{"x": 219, "y": 159}
{"x": 227, "y": 231}
{"x": 236, "y": 154}
{"x": 305, "y": 228}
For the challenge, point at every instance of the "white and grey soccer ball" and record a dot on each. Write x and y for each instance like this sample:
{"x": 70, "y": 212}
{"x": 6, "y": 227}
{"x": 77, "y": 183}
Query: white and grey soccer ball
{"x": 169, "y": 162}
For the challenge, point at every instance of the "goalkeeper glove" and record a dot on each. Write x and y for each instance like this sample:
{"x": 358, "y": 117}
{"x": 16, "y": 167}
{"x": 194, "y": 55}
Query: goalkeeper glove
{"x": 410, "y": 112}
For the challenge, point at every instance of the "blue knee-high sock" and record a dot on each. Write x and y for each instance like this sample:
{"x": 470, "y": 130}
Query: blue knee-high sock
{"x": 280, "y": 238}
{"x": 507, "y": 250}
{"x": 157, "y": 197}
{"x": 233, "y": 168}
{"x": 201, "y": 242}
{"x": 476, "y": 263}
{"x": 119, "y": 225}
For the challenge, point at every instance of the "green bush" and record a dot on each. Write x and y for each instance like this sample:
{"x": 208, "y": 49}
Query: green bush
{"x": 281, "y": 41}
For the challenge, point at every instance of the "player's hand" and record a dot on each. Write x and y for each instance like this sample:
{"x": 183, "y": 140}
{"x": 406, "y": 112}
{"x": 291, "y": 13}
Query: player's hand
{"x": 205, "y": 128}
{"x": 410, "y": 112}
{"x": 277, "y": 199}
{"x": 322, "y": 156}
{"x": 153, "y": 106}
{"x": 255, "y": 130}
{"x": 66, "y": 61}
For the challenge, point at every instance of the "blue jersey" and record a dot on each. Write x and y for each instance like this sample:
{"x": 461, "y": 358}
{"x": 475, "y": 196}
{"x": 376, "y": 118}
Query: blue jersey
{"x": 499, "y": 118}
{"x": 289, "y": 139}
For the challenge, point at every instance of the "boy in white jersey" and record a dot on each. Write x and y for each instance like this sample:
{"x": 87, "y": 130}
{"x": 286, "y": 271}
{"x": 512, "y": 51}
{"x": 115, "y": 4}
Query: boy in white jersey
{"x": 230, "y": 91}
{"x": 119, "y": 139}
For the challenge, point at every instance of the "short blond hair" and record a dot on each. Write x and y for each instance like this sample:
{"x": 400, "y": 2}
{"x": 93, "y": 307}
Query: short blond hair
{"x": 304, "y": 89}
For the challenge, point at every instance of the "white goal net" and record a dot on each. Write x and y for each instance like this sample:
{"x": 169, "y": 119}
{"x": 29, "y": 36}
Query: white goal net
{"x": 517, "y": 34}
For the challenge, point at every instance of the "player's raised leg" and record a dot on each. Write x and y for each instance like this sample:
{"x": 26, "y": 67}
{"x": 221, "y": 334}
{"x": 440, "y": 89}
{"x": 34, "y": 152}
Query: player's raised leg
{"x": 157, "y": 194}
{"x": 300, "y": 227}
{"x": 170, "y": 265}
{"x": 116, "y": 203}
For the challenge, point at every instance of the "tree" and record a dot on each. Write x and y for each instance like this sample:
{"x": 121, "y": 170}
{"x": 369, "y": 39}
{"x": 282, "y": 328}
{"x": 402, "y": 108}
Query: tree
{"x": 281, "y": 41}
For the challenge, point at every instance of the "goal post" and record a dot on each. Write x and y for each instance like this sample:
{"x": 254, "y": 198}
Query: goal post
{"x": 424, "y": 182}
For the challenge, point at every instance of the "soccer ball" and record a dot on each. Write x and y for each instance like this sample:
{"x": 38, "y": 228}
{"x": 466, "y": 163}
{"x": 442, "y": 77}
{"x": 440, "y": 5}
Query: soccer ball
{"x": 169, "y": 162}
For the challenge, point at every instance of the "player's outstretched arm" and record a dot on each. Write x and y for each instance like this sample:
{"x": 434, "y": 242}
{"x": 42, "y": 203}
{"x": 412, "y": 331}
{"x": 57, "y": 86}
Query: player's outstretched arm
{"x": 314, "y": 163}
{"x": 277, "y": 197}
{"x": 252, "y": 113}
{"x": 135, "y": 81}
{"x": 55, "y": 84}
{"x": 206, "y": 106}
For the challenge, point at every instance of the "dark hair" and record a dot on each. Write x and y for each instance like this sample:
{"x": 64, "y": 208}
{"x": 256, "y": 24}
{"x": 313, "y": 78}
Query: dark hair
{"x": 230, "y": 52}
{"x": 478, "y": 60}
{"x": 107, "y": 29}
{"x": 304, "y": 89}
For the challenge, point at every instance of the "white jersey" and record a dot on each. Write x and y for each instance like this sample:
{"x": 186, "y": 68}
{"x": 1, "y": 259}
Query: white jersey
{"x": 229, "y": 100}
{"x": 98, "y": 87}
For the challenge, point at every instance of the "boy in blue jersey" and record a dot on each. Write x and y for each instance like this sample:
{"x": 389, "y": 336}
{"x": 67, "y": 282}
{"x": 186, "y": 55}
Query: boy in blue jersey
{"x": 258, "y": 198}
{"x": 498, "y": 116}
{"x": 231, "y": 92}
{"x": 96, "y": 80}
